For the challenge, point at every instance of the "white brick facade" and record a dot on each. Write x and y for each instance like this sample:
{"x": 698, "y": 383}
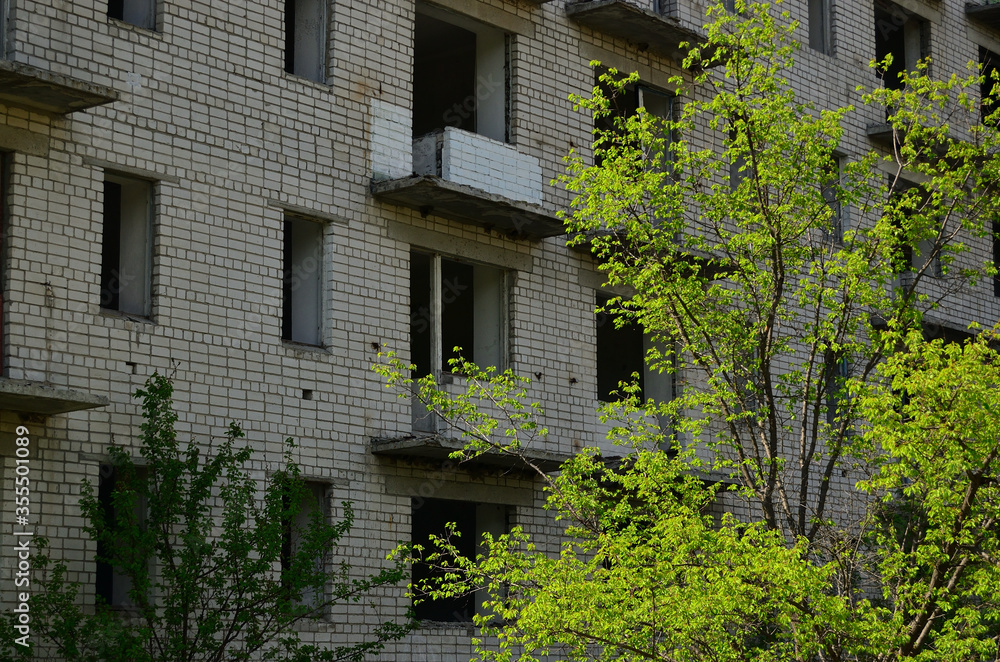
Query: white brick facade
{"x": 203, "y": 108}
{"x": 488, "y": 165}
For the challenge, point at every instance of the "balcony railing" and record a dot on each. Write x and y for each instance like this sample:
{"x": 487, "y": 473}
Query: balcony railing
{"x": 469, "y": 178}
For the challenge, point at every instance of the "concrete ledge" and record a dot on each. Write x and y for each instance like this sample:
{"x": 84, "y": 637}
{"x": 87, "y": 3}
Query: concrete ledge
{"x": 438, "y": 448}
{"x": 659, "y": 33}
{"x": 448, "y": 244}
{"x": 709, "y": 265}
{"x": 22, "y": 140}
{"x": 880, "y": 134}
{"x": 444, "y": 484}
{"x": 29, "y": 87}
{"x": 34, "y": 398}
{"x": 430, "y": 194}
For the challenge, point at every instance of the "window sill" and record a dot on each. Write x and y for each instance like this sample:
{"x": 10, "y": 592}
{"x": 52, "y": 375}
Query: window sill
{"x": 315, "y": 624}
{"x": 132, "y": 27}
{"x": 309, "y": 82}
{"x": 130, "y": 317}
{"x": 438, "y": 626}
{"x": 304, "y": 348}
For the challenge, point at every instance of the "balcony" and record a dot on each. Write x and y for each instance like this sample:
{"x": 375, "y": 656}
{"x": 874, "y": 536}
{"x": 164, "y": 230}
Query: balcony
{"x": 33, "y": 398}
{"x": 986, "y": 13}
{"x": 881, "y": 133}
{"x": 437, "y": 448}
{"x": 657, "y": 25}
{"x": 469, "y": 178}
{"x": 29, "y": 87}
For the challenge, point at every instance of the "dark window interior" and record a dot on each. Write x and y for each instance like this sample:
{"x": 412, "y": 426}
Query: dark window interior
{"x": 894, "y": 27}
{"x": 111, "y": 246}
{"x": 430, "y": 517}
{"x": 111, "y": 586}
{"x": 996, "y": 258}
{"x": 990, "y": 62}
{"x": 444, "y": 76}
{"x": 116, "y": 9}
{"x": 458, "y": 312}
{"x": 105, "y": 572}
{"x": 290, "y": 36}
{"x": 420, "y": 313}
{"x": 140, "y": 13}
{"x": 619, "y": 354}
{"x": 889, "y": 40}
{"x": 458, "y": 307}
{"x": 624, "y": 104}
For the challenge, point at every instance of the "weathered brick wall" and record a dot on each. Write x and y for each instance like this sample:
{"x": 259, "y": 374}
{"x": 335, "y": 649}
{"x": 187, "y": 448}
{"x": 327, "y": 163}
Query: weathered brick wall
{"x": 232, "y": 142}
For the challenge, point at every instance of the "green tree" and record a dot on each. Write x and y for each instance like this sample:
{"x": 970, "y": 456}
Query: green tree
{"x": 200, "y": 549}
{"x": 801, "y": 346}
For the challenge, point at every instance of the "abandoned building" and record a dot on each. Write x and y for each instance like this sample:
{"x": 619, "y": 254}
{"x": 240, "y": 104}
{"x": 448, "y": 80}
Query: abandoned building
{"x": 254, "y": 197}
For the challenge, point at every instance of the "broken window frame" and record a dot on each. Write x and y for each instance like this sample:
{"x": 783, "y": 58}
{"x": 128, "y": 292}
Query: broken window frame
{"x": 443, "y": 292}
{"x": 303, "y": 280}
{"x": 127, "y": 245}
{"x": 430, "y": 517}
{"x": 140, "y": 13}
{"x": 487, "y": 77}
{"x": 306, "y": 57}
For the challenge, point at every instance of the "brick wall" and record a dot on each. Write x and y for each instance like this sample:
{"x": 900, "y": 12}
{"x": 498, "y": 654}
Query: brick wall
{"x": 232, "y": 144}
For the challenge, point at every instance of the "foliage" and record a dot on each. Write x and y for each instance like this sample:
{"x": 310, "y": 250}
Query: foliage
{"x": 935, "y": 533}
{"x": 858, "y": 456}
{"x": 200, "y": 551}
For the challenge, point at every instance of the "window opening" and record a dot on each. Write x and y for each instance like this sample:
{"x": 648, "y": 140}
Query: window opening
{"x": 431, "y": 518}
{"x": 305, "y": 39}
{"x": 460, "y": 76}
{"x": 455, "y": 304}
{"x": 819, "y": 26}
{"x": 126, "y": 260}
{"x": 302, "y": 279}
{"x": 140, "y": 13}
